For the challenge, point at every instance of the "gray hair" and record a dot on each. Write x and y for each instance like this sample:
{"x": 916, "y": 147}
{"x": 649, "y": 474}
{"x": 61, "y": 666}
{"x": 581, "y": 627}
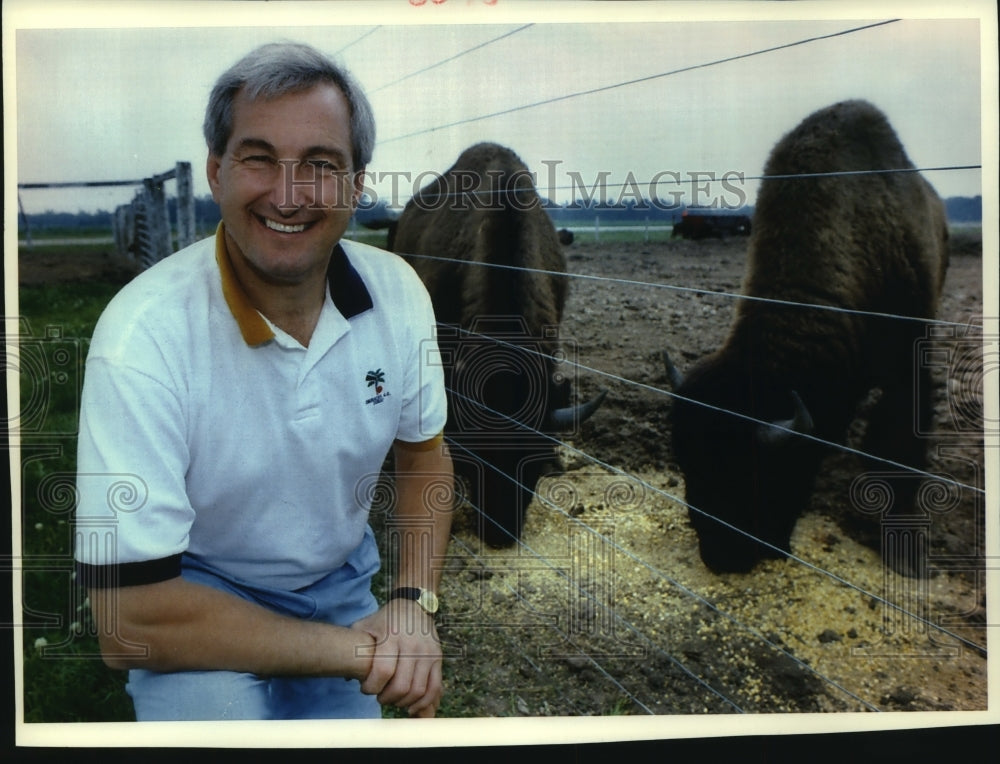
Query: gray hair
{"x": 277, "y": 69}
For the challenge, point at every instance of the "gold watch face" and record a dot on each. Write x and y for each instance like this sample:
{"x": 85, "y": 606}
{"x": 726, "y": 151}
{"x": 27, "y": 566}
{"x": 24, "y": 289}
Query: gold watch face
{"x": 428, "y": 601}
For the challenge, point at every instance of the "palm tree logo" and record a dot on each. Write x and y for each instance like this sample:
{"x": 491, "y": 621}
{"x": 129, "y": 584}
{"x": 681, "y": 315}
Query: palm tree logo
{"x": 375, "y": 378}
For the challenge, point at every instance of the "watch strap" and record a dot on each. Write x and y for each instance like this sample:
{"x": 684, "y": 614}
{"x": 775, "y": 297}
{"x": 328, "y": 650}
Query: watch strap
{"x": 425, "y": 598}
{"x": 405, "y": 593}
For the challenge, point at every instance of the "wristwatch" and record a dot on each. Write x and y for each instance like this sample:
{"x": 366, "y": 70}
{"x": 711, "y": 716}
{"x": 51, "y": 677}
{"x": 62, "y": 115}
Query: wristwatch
{"x": 424, "y": 597}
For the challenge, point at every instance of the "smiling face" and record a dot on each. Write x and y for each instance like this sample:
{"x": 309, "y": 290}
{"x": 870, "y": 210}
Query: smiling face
{"x": 286, "y": 186}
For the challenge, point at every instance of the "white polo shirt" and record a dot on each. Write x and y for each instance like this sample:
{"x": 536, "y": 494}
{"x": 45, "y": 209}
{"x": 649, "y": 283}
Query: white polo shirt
{"x": 206, "y": 430}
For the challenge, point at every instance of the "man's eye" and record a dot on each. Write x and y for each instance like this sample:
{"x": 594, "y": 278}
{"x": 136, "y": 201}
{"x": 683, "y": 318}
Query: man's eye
{"x": 257, "y": 160}
{"x": 324, "y": 166}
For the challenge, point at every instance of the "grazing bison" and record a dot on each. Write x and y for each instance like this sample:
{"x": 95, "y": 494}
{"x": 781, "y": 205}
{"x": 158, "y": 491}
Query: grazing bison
{"x": 471, "y": 234}
{"x": 875, "y": 243}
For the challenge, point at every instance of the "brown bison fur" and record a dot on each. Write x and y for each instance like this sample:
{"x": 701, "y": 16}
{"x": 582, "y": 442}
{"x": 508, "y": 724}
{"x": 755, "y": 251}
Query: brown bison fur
{"x": 484, "y": 212}
{"x": 869, "y": 242}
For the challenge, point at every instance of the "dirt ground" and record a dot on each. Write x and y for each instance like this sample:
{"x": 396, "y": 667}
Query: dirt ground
{"x": 48, "y": 266}
{"x": 607, "y": 609}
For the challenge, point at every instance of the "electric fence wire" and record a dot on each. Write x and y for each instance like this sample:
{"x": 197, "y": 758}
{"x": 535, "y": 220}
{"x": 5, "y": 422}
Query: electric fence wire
{"x": 525, "y": 547}
{"x": 669, "y": 393}
{"x": 715, "y": 293}
{"x": 486, "y": 196}
{"x": 663, "y": 576}
{"x": 692, "y": 290}
{"x": 354, "y": 42}
{"x": 665, "y": 494}
{"x": 485, "y": 564}
{"x": 638, "y": 80}
{"x": 465, "y": 52}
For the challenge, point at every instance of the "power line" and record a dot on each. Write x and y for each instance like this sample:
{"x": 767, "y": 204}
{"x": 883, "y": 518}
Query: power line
{"x": 639, "y": 80}
{"x": 848, "y": 173}
{"x": 81, "y": 184}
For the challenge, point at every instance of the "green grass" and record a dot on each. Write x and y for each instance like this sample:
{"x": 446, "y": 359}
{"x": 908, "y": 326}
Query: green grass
{"x": 81, "y": 248}
{"x": 64, "y": 679}
{"x": 63, "y": 232}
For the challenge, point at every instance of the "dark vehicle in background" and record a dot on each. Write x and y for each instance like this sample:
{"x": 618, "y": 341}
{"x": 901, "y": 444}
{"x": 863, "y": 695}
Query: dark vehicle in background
{"x": 702, "y": 224}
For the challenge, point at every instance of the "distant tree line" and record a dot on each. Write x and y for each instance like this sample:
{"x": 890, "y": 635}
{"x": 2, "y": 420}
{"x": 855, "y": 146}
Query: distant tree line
{"x": 630, "y": 212}
{"x": 960, "y": 209}
{"x": 964, "y": 209}
{"x": 206, "y": 213}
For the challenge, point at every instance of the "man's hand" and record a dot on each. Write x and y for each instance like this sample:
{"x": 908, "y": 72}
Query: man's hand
{"x": 406, "y": 667}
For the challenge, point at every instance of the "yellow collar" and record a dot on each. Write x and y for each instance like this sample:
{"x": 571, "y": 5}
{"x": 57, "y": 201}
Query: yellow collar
{"x": 252, "y": 325}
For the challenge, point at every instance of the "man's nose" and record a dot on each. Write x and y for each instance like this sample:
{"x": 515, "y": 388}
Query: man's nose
{"x": 297, "y": 186}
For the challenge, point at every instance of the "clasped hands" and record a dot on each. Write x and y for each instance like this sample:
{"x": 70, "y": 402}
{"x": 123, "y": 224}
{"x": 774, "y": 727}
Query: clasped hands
{"x": 405, "y": 669}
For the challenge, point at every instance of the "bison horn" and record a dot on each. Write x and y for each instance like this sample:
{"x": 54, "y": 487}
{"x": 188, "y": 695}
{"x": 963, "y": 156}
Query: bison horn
{"x": 782, "y": 429}
{"x": 673, "y": 373}
{"x": 567, "y": 417}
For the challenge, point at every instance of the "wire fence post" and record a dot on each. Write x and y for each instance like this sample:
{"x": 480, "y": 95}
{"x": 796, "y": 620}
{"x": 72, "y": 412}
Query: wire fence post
{"x": 123, "y": 231}
{"x": 162, "y": 236}
{"x": 27, "y": 225}
{"x": 185, "y": 205}
{"x": 142, "y": 230}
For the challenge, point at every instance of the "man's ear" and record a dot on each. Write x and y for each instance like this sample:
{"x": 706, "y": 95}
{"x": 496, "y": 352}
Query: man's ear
{"x": 212, "y": 167}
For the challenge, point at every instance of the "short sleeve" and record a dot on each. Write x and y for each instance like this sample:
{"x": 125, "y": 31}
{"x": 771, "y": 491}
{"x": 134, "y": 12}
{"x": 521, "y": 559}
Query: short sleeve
{"x": 133, "y": 517}
{"x": 425, "y": 410}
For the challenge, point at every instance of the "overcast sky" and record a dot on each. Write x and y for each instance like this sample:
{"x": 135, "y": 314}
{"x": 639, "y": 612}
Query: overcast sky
{"x": 124, "y": 98}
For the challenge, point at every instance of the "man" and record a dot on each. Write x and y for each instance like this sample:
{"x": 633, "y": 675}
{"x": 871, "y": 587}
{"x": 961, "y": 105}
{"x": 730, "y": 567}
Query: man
{"x": 245, "y": 392}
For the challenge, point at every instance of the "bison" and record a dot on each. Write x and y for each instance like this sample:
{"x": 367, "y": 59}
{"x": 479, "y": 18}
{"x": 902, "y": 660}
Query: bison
{"x": 865, "y": 244}
{"x": 491, "y": 260}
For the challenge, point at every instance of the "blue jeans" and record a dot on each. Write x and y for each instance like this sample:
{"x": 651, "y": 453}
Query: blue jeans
{"x": 342, "y": 597}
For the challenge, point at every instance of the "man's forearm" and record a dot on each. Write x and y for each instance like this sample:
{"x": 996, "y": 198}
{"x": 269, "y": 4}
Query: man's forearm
{"x": 178, "y": 625}
{"x": 422, "y": 519}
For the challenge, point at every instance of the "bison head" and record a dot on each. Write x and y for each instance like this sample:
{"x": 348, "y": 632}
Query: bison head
{"x": 507, "y": 405}
{"x": 747, "y": 474}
